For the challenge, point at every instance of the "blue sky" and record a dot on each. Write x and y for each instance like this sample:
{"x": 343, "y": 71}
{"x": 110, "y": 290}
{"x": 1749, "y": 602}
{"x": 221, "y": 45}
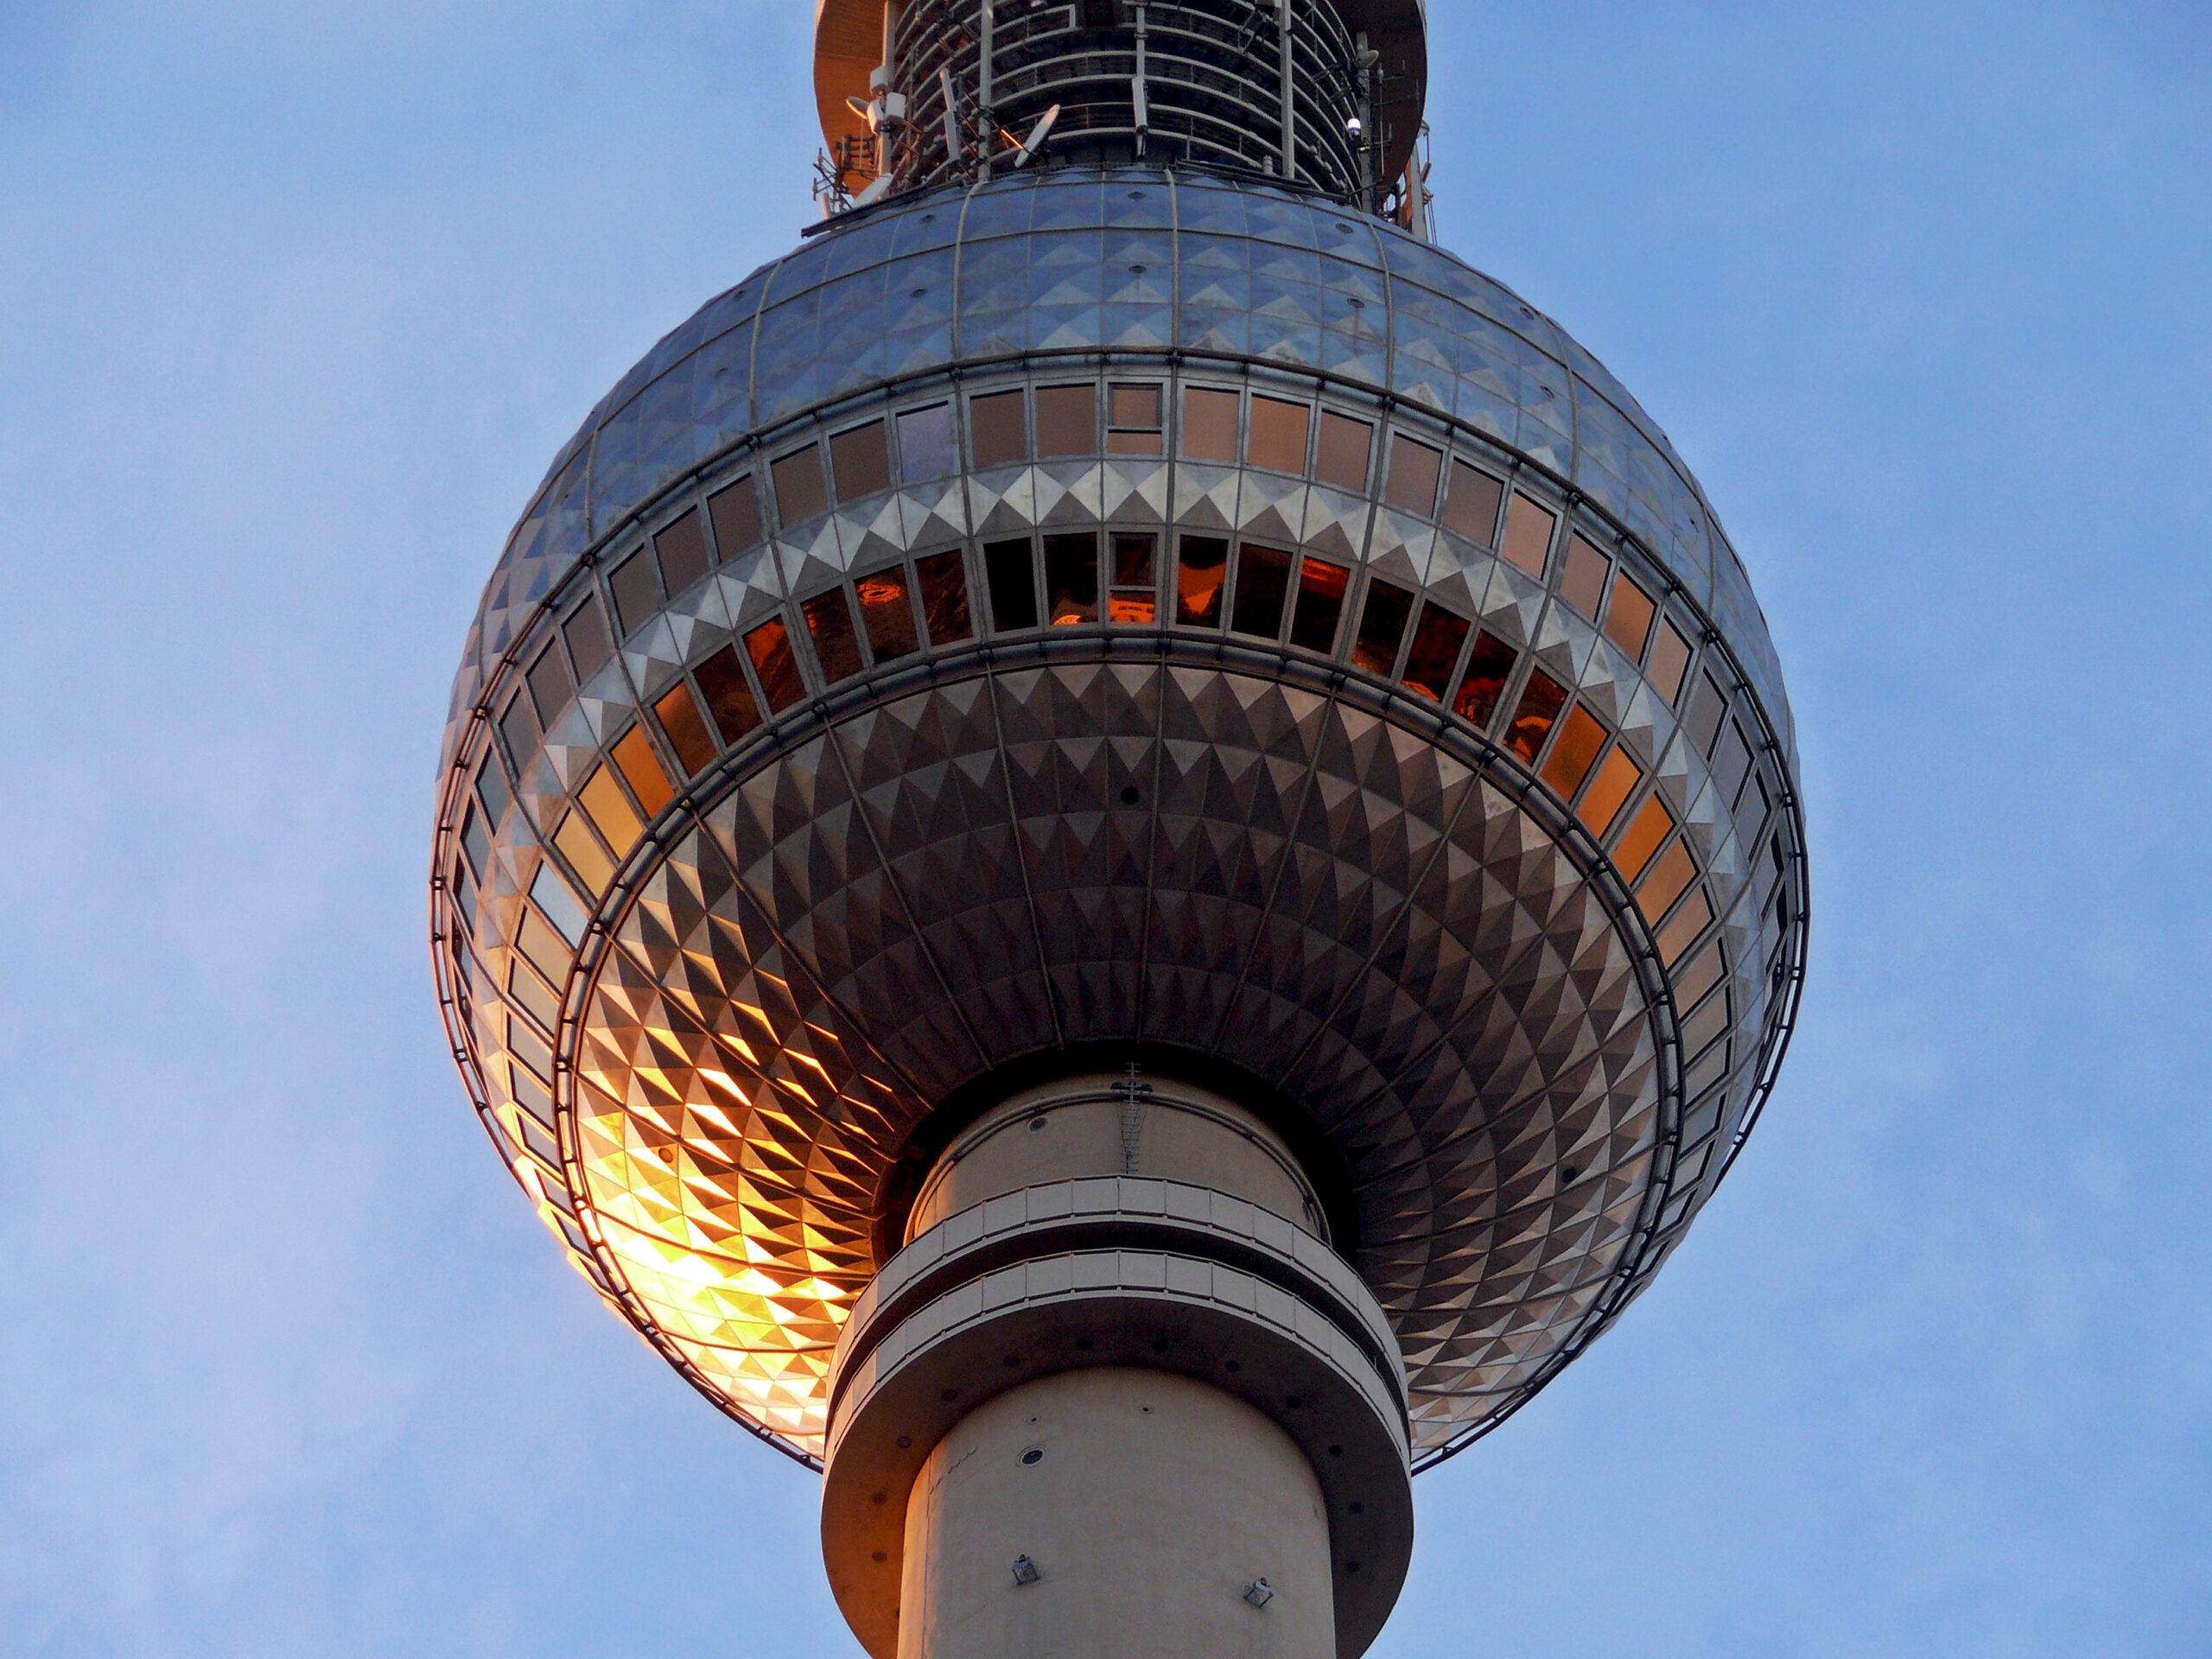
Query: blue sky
{"x": 296, "y": 302}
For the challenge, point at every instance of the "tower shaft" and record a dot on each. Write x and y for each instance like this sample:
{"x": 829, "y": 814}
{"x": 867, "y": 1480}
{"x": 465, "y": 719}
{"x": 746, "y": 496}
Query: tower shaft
{"x": 1116, "y": 1397}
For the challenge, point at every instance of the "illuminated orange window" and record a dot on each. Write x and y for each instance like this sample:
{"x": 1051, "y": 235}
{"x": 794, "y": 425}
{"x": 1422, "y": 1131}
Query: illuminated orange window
{"x": 944, "y": 598}
{"x": 642, "y": 771}
{"x": 1672, "y": 872}
{"x": 888, "y": 615}
{"x": 583, "y": 853}
{"x": 1684, "y": 926}
{"x": 1575, "y": 752}
{"x": 1615, "y": 781}
{"x": 1382, "y": 626}
{"x": 1628, "y": 621}
{"x": 770, "y": 647}
{"x": 602, "y": 799}
{"x": 1653, "y": 824}
{"x": 1670, "y": 659}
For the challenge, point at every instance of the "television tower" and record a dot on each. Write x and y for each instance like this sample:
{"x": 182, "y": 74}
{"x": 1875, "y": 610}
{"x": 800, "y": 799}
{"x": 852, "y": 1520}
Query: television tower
{"x": 1119, "y": 850}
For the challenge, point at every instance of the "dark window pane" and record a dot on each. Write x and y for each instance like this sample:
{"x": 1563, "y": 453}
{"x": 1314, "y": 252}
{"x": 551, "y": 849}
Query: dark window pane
{"x": 944, "y": 598}
{"x": 770, "y": 647}
{"x": 635, "y": 597}
{"x": 1279, "y": 430}
{"x": 1014, "y": 585}
{"x": 1730, "y": 764}
{"x": 1575, "y": 752}
{"x": 1705, "y": 711}
{"x": 678, "y": 713}
{"x": 1437, "y": 640}
{"x": 995, "y": 430}
{"x": 1262, "y": 580}
{"x": 736, "y": 514}
{"x": 1380, "y": 626}
{"x": 888, "y": 614}
{"x": 475, "y": 842}
{"x": 800, "y": 493}
{"x": 1343, "y": 458}
{"x": 1202, "y": 566}
{"x": 642, "y": 770}
{"x": 1472, "y": 508}
{"x": 1067, "y": 420}
{"x": 1628, "y": 623}
{"x": 1529, "y": 535}
{"x": 836, "y": 646}
{"x": 1532, "y": 721}
{"x": 550, "y": 688}
{"x": 1209, "y": 424}
{"x": 729, "y": 699}
{"x": 925, "y": 448}
{"x": 683, "y": 549}
{"x": 1670, "y": 659}
{"x": 520, "y": 731}
{"x": 1414, "y": 468}
{"x": 1320, "y": 603}
{"x": 1071, "y": 579}
{"x": 492, "y": 788}
{"x": 862, "y": 461}
{"x": 586, "y": 632}
{"x": 1489, "y": 665}
{"x": 1583, "y": 586}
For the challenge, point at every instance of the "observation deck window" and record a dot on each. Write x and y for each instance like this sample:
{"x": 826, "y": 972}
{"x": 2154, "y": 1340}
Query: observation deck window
{"x": 641, "y": 769}
{"x": 1529, "y": 535}
{"x": 770, "y": 647}
{"x": 1067, "y": 421}
{"x": 729, "y": 697}
{"x": 1471, "y": 508}
{"x": 1345, "y": 449}
{"x": 1489, "y": 665}
{"x": 1209, "y": 424}
{"x": 1071, "y": 579}
{"x": 682, "y": 549}
{"x": 861, "y": 459}
{"x": 836, "y": 646}
{"x": 800, "y": 493}
{"x": 1262, "y": 583}
{"x": 1435, "y": 651}
{"x": 685, "y": 726}
{"x": 1381, "y": 626}
{"x": 944, "y": 598}
{"x": 1135, "y": 596}
{"x": 1009, "y": 568}
{"x": 735, "y": 511}
{"x": 1201, "y": 571}
{"x": 1322, "y": 587}
{"x": 1532, "y": 722}
{"x": 995, "y": 433}
{"x": 1414, "y": 468}
{"x": 888, "y": 614}
{"x": 1280, "y": 430}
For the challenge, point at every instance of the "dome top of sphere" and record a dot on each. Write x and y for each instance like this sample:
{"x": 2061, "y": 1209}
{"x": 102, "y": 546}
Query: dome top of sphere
{"x": 1122, "y": 261}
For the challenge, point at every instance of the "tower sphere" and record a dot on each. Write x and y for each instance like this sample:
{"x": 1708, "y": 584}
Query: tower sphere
{"x": 1129, "y": 615}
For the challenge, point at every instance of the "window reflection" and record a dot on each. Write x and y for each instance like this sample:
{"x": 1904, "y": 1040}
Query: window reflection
{"x": 1209, "y": 424}
{"x": 944, "y": 598}
{"x": 1133, "y": 421}
{"x": 1671, "y": 656}
{"x": 1731, "y": 763}
{"x": 861, "y": 459}
{"x": 729, "y": 699}
{"x": 800, "y": 493}
{"x": 550, "y": 688}
{"x": 995, "y": 430}
{"x": 1437, "y": 640}
{"x": 1472, "y": 508}
{"x": 1583, "y": 583}
{"x": 1320, "y": 603}
{"x": 609, "y": 808}
{"x": 1489, "y": 665}
{"x": 520, "y": 730}
{"x": 925, "y": 448}
{"x": 736, "y": 514}
{"x": 682, "y": 548}
{"x": 1343, "y": 457}
{"x": 585, "y": 856}
{"x": 1382, "y": 626}
{"x": 836, "y": 646}
{"x": 770, "y": 647}
{"x": 1529, "y": 535}
{"x": 1414, "y": 468}
{"x": 1628, "y": 619}
{"x": 1135, "y": 596}
{"x": 1532, "y": 722}
{"x": 1575, "y": 752}
{"x": 1670, "y": 873}
{"x": 1263, "y": 582}
{"x": 491, "y": 790}
{"x": 1071, "y": 579}
{"x": 641, "y": 769}
{"x": 888, "y": 614}
{"x": 1067, "y": 420}
{"x": 1279, "y": 433}
{"x": 1201, "y": 568}
{"x": 1012, "y": 581}
{"x": 1684, "y": 926}
{"x": 1705, "y": 710}
{"x": 677, "y": 710}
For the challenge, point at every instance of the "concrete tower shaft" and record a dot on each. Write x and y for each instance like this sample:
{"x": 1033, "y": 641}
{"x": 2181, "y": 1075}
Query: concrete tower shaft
{"x": 1117, "y": 1396}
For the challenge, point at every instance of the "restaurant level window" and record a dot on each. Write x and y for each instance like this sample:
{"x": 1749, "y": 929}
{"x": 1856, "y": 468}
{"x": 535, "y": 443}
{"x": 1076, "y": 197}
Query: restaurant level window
{"x": 1278, "y": 433}
{"x": 1201, "y": 570}
{"x": 1263, "y": 582}
{"x": 944, "y": 598}
{"x": 1009, "y": 568}
{"x": 1529, "y": 535}
{"x": 1071, "y": 579}
{"x": 800, "y": 493}
{"x": 1628, "y": 618}
{"x": 586, "y": 632}
{"x": 1345, "y": 449}
{"x": 1135, "y": 594}
{"x": 1067, "y": 420}
{"x": 1471, "y": 508}
{"x": 681, "y": 548}
{"x": 736, "y": 514}
{"x": 861, "y": 458}
{"x": 996, "y": 429}
{"x": 1489, "y": 665}
{"x": 1322, "y": 587}
{"x": 1382, "y": 626}
{"x": 1209, "y": 424}
{"x": 888, "y": 614}
{"x": 1414, "y": 468}
{"x": 1133, "y": 420}
{"x": 926, "y": 446}
{"x": 1583, "y": 583}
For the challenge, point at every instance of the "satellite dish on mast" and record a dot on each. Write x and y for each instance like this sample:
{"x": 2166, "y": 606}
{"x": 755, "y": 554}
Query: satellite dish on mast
{"x": 1038, "y": 135}
{"x": 874, "y": 192}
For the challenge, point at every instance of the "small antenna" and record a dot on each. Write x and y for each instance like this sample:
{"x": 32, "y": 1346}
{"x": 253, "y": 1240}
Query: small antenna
{"x": 1038, "y": 135}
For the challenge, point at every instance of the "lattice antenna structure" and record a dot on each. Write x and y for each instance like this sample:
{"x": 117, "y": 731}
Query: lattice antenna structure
{"x": 1119, "y": 850}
